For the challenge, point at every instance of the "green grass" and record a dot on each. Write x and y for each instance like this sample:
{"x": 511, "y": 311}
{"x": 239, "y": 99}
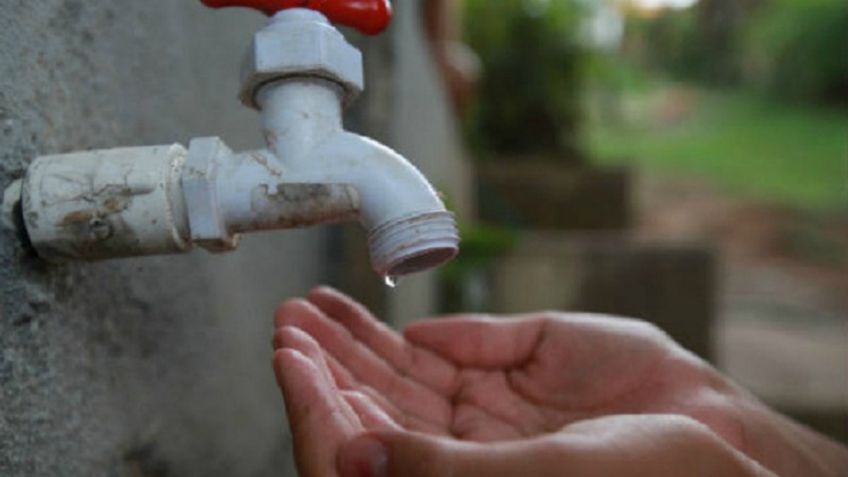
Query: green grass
{"x": 752, "y": 147}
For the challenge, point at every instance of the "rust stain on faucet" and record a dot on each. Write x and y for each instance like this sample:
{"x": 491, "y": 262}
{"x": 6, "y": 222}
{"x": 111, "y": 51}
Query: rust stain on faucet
{"x": 263, "y": 161}
{"x": 298, "y": 205}
{"x": 270, "y": 138}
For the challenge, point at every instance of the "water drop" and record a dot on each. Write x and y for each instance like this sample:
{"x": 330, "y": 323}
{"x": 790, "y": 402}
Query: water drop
{"x": 390, "y": 281}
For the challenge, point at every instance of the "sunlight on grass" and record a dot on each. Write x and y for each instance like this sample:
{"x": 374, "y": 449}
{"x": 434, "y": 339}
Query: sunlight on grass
{"x": 754, "y": 148}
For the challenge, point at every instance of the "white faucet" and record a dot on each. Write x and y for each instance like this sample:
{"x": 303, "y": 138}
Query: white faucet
{"x": 300, "y": 72}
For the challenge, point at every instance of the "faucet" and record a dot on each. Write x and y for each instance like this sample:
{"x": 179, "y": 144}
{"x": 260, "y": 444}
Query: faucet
{"x": 299, "y": 73}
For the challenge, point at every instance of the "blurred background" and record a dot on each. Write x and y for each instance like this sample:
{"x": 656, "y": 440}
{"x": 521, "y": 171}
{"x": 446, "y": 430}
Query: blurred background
{"x": 681, "y": 161}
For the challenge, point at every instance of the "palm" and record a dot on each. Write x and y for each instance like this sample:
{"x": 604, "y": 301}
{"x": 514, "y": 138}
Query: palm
{"x": 482, "y": 380}
{"x": 544, "y": 382}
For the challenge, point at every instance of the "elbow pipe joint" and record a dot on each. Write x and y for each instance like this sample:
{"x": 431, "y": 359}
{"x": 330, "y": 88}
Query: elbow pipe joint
{"x": 409, "y": 228}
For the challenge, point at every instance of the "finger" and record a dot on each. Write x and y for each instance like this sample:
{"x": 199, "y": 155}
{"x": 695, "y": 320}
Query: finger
{"x": 370, "y": 414}
{"x": 478, "y": 341}
{"x": 656, "y": 445}
{"x": 408, "y": 454}
{"x": 602, "y": 452}
{"x": 346, "y": 381}
{"x": 341, "y": 379}
{"x": 318, "y": 425}
{"x": 294, "y": 338}
{"x": 420, "y": 364}
{"x": 369, "y": 369}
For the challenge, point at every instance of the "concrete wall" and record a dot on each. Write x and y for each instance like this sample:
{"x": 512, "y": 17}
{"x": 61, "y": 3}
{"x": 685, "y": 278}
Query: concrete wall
{"x": 144, "y": 367}
{"x": 161, "y": 366}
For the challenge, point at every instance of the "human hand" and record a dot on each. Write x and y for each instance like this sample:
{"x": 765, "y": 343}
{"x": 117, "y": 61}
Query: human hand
{"x": 545, "y": 389}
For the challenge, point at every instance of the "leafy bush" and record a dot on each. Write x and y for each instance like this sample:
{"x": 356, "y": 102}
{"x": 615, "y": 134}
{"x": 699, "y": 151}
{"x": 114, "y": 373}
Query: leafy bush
{"x": 792, "y": 49}
{"x": 669, "y": 42}
{"x": 799, "y": 49}
{"x": 528, "y": 98}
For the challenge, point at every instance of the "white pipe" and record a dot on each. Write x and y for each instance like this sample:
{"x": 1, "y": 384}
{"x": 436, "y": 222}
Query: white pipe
{"x": 164, "y": 199}
{"x": 297, "y": 113}
{"x": 302, "y": 124}
{"x": 254, "y": 194}
{"x": 106, "y": 204}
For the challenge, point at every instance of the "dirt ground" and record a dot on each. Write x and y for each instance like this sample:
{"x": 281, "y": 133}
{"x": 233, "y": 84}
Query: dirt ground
{"x": 782, "y": 328}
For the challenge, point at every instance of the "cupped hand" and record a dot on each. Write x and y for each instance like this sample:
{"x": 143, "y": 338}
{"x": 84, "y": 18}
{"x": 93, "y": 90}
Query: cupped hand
{"x": 542, "y": 389}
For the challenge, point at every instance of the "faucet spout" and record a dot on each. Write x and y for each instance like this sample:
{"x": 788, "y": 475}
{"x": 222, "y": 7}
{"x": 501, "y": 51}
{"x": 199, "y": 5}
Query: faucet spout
{"x": 409, "y": 227}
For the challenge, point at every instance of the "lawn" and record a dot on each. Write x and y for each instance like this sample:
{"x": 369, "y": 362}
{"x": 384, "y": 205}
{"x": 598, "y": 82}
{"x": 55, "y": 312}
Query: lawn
{"x": 752, "y": 147}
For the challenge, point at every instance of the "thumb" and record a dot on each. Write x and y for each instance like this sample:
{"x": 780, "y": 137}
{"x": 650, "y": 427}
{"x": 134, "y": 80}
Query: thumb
{"x": 635, "y": 446}
{"x": 409, "y": 454}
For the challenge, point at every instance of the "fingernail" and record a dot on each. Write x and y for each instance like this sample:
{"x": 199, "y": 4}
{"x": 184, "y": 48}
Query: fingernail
{"x": 364, "y": 457}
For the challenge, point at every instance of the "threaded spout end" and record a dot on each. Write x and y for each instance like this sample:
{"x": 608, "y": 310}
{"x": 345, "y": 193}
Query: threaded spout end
{"x": 413, "y": 243}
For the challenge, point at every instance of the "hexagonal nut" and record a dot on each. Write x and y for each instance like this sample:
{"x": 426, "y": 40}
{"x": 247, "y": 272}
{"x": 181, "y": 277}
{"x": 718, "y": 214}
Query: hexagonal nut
{"x": 199, "y": 182}
{"x": 296, "y": 48}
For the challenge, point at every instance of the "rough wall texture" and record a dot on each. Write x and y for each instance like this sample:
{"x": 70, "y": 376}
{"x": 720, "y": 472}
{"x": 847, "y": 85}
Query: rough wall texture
{"x": 147, "y": 367}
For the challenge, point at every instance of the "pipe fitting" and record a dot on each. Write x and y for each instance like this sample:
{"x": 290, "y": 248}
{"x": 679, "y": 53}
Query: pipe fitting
{"x": 106, "y": 204}
{"x": 300, "y": 42}
{"x": 200, "y": 192}
{"x": 413, "y": 243}
{"x": 165, "y": 199}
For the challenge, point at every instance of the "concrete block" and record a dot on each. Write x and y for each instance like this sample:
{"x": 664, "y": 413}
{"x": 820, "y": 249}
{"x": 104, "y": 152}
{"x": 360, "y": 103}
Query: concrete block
{"x": 548, "y": 195}
{"x": 673, "y": 287}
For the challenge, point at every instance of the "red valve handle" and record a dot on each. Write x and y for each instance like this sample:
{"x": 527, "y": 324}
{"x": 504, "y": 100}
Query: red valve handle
{"x": 368, "y": 16}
